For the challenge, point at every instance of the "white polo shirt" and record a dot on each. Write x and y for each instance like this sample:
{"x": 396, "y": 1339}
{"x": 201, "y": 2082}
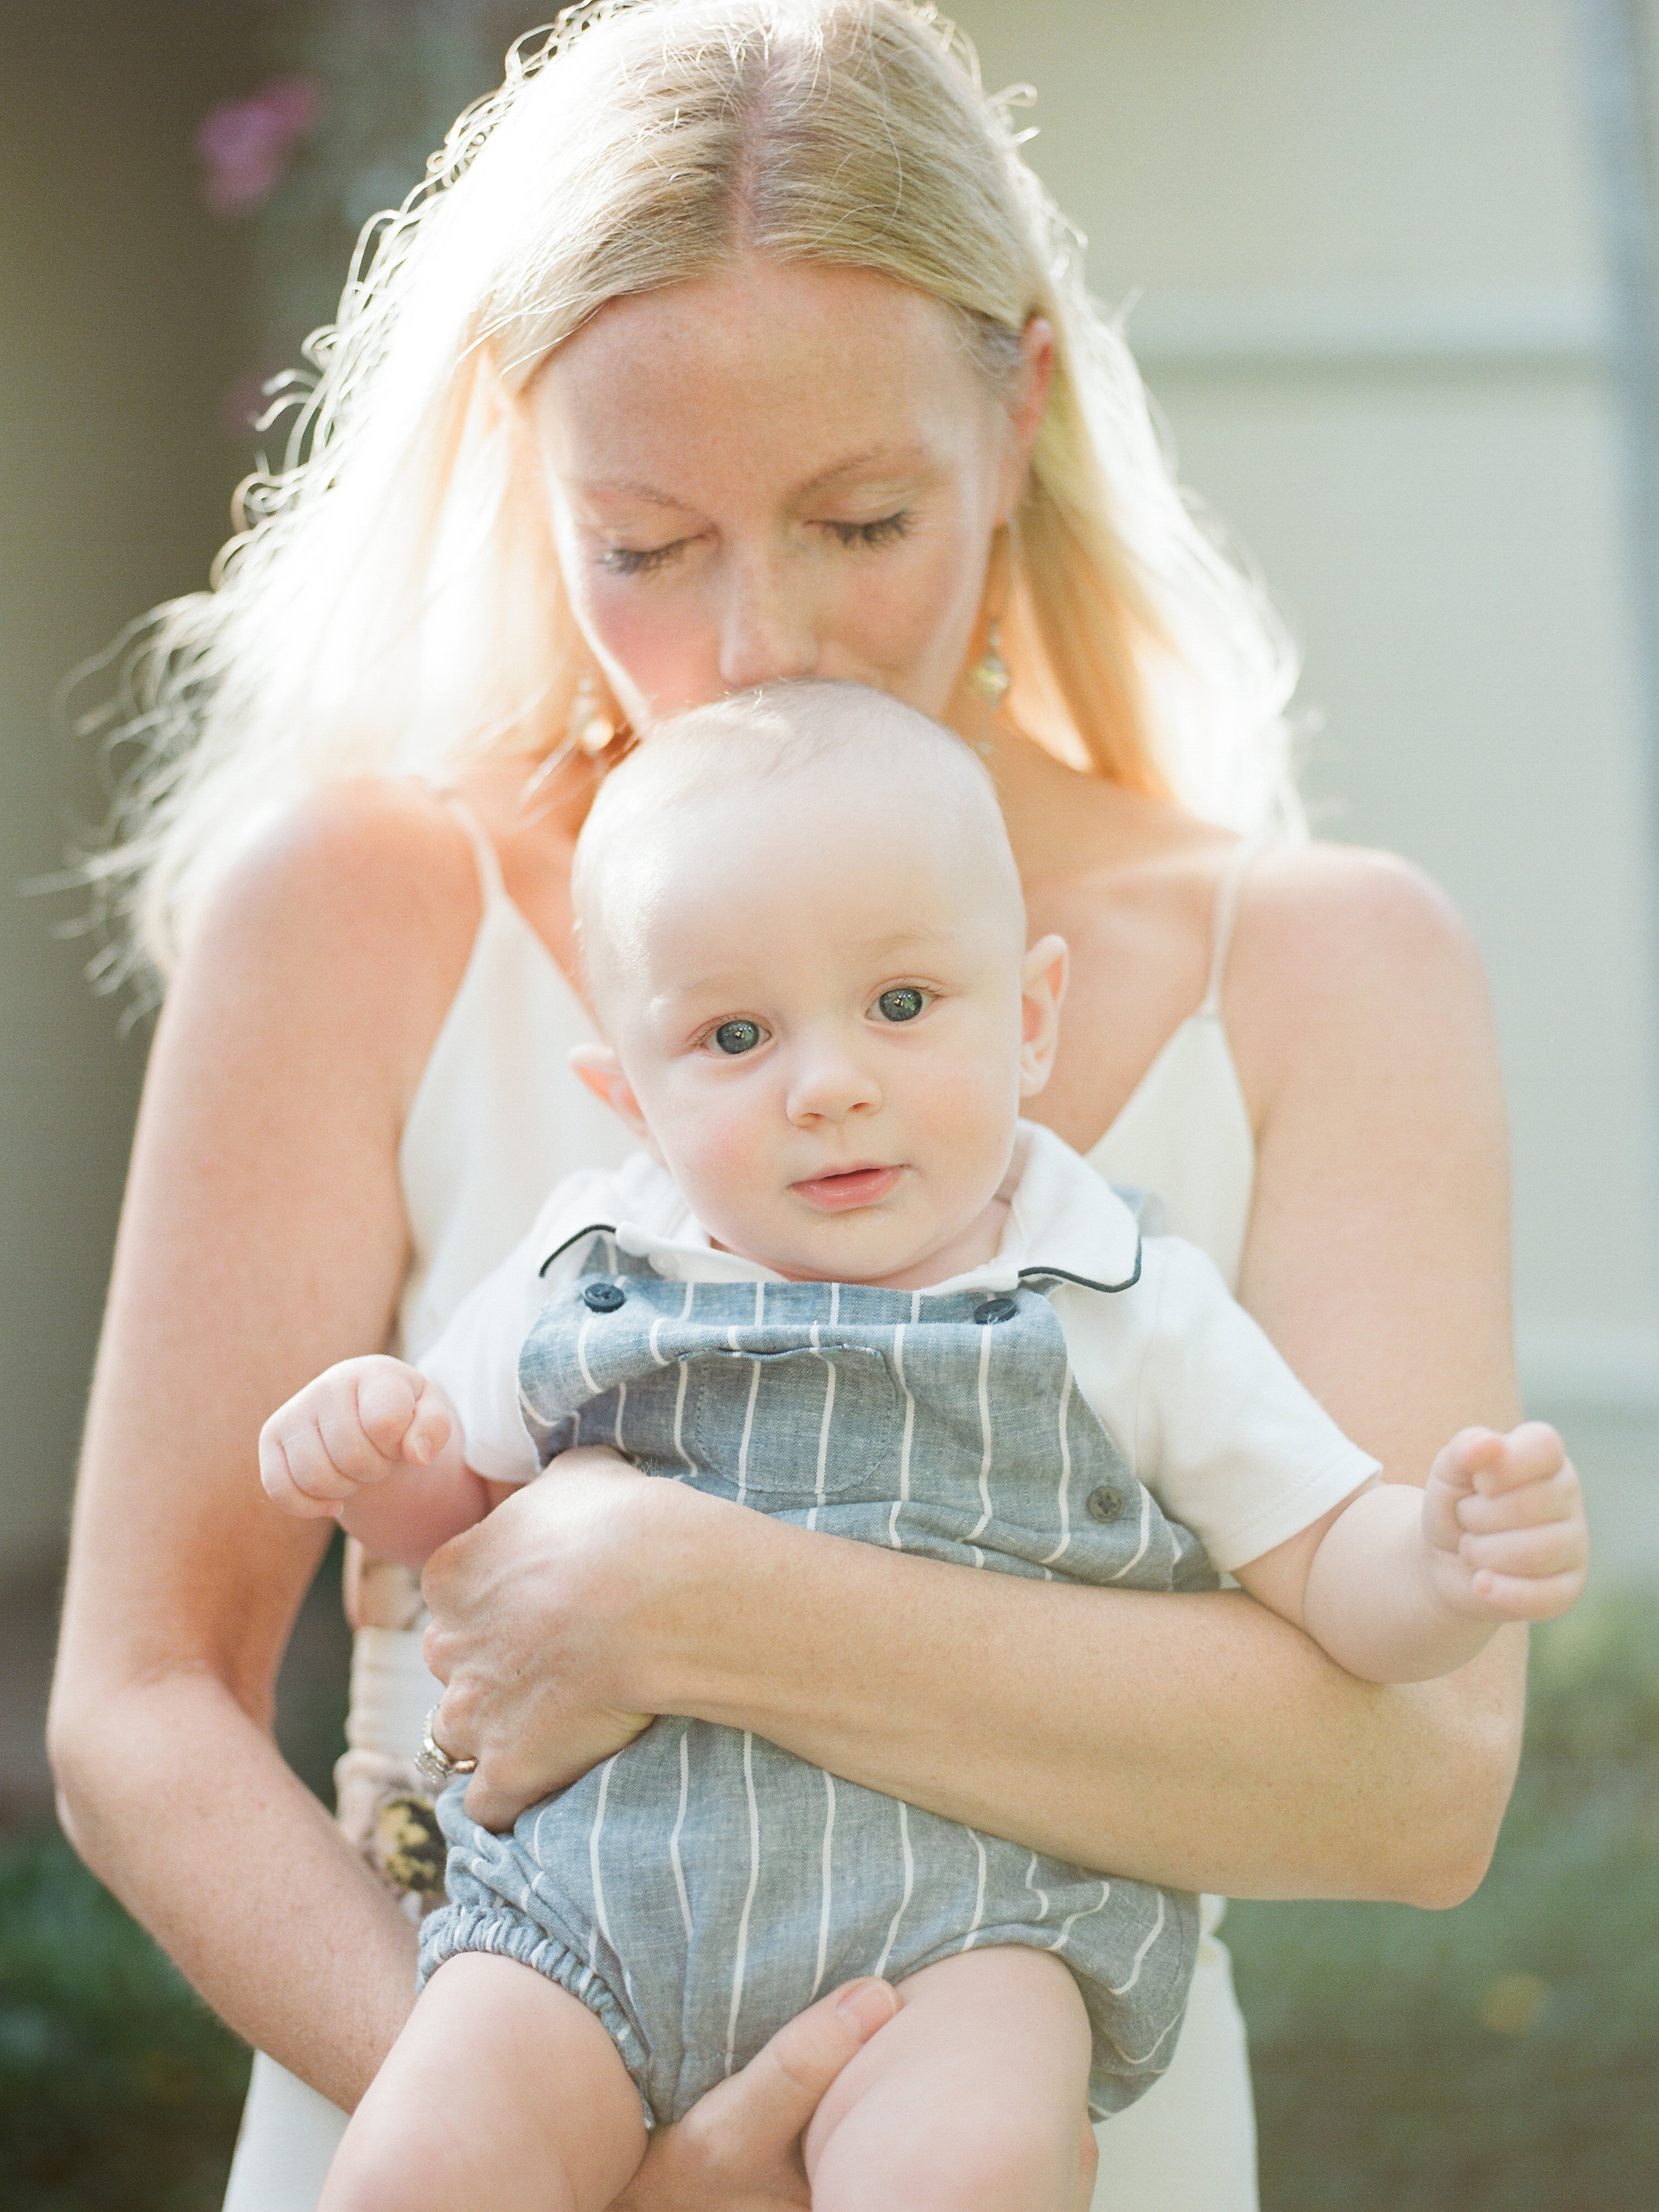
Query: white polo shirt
{"x": 1206, "y": 1412}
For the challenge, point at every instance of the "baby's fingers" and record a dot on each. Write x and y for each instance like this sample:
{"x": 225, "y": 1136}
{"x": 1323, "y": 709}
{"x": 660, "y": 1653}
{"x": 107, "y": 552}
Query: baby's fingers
{"x": 384, "y": 1408}
{"x": 1527, "y": 1597}
{"x": 1532, "y": 1453}
{"x": 1527, "y": 1505}
{"x": 1555, "y": 1547}
{"x": 297, "y": 1474}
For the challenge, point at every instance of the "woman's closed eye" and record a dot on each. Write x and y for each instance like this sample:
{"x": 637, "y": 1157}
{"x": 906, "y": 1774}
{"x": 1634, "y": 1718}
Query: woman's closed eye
{"x": 886, "y": 531}
{"x": 640, "y": 560}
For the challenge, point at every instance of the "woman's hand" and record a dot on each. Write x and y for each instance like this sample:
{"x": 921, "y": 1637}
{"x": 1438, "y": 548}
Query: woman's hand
{"x": 539, "y": 1617}
{"x": 739, "y": 2148}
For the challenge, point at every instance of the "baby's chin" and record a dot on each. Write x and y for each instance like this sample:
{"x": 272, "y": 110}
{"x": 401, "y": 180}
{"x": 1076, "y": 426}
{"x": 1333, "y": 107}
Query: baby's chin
{"x": 864, "y": 1246}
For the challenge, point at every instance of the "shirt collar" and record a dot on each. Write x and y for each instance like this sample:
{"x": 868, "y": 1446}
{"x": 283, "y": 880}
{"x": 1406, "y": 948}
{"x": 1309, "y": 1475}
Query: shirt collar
{"x": 1063, "y": 1219}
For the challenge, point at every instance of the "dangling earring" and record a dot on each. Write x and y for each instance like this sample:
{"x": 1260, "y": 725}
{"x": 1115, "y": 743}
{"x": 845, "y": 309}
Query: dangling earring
{"x": 591, "y": 728}
{"x": 989, "y": 675}
{"x": 589, "y": 731}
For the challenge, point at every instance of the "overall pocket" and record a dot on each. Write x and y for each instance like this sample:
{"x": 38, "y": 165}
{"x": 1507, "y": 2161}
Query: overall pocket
{"x": 789, "y": 1429}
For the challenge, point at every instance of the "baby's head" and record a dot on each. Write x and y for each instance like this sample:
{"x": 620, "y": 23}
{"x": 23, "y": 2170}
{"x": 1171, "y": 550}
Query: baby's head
{"x": 804, "y": 937}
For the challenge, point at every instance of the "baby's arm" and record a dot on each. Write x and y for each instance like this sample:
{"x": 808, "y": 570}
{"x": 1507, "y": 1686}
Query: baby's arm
{"x": 1399, "y": 1584}
{"x": 333, "y": 1447}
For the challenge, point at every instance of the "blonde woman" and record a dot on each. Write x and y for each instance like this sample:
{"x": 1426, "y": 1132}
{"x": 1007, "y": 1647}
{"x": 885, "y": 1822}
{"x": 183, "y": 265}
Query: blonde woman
{"x": 732, "y": 341}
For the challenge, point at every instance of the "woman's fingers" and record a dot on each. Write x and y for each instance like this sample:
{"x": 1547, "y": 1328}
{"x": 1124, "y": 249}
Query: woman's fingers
{"x": 543, "y": 1622}
{"x": 738, "y": 2149}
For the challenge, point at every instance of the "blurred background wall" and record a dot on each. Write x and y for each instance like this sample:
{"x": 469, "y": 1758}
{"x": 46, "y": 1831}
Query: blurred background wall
{"x": 1359, "y": 250}
{"x": 122, "y": 327}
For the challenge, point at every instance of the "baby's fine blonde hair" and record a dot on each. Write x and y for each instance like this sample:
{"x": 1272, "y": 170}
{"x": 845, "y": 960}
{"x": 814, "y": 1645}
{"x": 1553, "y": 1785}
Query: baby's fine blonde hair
{"x": 394, "y": 603}
{"x": 759, "y": 745}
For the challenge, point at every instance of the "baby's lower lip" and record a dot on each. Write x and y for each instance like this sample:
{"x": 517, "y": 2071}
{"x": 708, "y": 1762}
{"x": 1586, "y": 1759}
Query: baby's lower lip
{"x": 840, "y": 1194}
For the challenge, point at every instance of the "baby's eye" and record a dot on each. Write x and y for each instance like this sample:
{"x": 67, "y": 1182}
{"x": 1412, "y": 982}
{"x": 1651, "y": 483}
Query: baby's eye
{"x": 903, "y": 1004}
{"x": 736, "y": 1037}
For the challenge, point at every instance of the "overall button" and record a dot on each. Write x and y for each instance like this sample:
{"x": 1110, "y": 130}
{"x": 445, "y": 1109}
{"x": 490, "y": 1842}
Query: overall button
{"x": 1105, "y": 1504}
{"x": 603, "y": 1298}
{"x": 995, "y": 1310}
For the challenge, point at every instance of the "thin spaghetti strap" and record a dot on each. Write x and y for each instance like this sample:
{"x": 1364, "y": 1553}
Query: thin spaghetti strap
{"x": 492, "y": 887}
{"x": 1226, "y": 914}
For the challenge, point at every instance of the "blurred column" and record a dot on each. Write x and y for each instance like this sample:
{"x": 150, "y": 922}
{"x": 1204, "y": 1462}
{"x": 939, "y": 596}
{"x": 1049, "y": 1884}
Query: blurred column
{"x": 1613, "y": 36}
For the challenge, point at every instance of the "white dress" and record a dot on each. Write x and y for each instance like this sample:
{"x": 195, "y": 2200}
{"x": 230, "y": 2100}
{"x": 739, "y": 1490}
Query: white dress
{"x": 498, "y": 1119}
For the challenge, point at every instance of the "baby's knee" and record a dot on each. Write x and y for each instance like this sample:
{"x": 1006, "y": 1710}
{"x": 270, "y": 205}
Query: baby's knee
{"x": 377, "y": 2169}
{"x": 997, "y": 2157}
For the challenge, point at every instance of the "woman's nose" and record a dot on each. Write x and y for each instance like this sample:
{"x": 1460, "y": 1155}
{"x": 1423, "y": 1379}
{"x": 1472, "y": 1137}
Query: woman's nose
{"x": 768, "y": 630}
{"x": 827, "y": 1083}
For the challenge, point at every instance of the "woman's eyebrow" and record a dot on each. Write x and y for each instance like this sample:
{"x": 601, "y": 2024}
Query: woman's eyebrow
{"x": 896, "y": 460}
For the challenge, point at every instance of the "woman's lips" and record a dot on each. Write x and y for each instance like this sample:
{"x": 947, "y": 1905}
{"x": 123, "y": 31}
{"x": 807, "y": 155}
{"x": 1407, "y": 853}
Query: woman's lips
{"x": 840, "y": 1194}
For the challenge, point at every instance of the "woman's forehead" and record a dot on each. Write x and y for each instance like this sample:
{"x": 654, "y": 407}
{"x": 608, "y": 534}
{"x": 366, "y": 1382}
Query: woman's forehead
{"x": 821, "y": 370}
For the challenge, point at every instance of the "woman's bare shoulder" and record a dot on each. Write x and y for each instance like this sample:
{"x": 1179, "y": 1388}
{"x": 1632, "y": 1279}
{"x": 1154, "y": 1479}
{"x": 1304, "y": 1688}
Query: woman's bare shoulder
{"x": 1341, "y": 950}
{"x": 1341, "y": 919}
{"x": 358, "y": 904}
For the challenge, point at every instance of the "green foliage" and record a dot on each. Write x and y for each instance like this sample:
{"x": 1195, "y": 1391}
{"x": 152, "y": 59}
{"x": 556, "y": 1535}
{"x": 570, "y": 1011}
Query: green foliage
{"x": 118, "y": 2090}
{"x": 1503, "y": 2056}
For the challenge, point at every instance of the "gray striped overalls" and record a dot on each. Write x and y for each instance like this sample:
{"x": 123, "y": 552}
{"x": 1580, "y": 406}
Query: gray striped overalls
{"x": 702, "y": 1886}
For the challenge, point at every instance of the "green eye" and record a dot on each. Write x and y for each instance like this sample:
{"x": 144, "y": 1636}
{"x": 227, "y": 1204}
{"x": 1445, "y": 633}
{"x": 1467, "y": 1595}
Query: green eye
{"x": 902, "y": 1005}
{"x": 738, "y": 1036}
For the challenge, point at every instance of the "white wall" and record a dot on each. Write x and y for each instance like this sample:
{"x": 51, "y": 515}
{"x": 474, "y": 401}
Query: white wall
{"x": 1366, "y": 236}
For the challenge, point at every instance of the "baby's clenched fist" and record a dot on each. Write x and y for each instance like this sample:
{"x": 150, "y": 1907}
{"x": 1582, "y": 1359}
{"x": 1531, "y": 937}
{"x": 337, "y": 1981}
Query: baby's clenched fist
{"x": 1504, "y": 1520}
{"x": 358, "y": 1423}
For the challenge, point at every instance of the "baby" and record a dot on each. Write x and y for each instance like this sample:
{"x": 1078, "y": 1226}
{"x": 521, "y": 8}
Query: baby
{"x": 846, "y": 1285}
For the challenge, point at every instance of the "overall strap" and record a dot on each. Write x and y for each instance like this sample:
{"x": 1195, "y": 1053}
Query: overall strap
{"x": 1226, "y": 916}
{"x": 492, "y": 889}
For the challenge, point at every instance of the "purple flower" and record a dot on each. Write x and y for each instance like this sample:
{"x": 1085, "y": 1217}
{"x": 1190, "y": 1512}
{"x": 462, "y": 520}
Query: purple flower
{"x": 247, "y": 145}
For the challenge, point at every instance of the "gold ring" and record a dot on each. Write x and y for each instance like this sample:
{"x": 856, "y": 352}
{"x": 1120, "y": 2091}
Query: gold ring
{"x": 432, "y": 1763}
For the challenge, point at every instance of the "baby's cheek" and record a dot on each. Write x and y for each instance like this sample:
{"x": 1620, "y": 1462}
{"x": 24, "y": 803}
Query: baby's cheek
{"x": 718, "y": 1158}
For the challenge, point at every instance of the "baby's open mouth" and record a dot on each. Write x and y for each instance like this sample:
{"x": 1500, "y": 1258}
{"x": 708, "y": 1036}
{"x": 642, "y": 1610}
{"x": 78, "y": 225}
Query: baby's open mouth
{"x": 853, "y": 1187}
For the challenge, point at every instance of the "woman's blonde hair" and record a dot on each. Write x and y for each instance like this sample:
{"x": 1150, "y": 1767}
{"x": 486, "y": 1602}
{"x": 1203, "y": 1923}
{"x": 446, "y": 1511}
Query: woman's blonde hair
{"x": 394, "y": 601}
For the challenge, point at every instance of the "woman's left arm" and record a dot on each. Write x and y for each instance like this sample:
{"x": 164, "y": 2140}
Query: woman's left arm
{"x": 1197, "y": 1741}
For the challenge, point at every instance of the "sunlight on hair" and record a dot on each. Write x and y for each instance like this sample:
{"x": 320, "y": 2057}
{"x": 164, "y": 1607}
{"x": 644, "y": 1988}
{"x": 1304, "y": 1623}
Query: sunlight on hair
{"x": 394, "y": 604}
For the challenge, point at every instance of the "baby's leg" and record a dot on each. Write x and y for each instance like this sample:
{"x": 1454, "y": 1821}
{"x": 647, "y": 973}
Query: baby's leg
{"x": 503, "y": 2093}
{"x": 973, "y": 2099}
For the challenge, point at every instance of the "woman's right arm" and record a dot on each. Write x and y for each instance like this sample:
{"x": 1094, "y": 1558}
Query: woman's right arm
{"x": 262, "y": 1239}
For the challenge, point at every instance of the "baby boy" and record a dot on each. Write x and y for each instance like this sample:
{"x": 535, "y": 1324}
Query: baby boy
{"x": 846, "y": 1283}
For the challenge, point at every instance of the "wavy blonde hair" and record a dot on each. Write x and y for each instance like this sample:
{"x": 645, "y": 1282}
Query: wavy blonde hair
{"x": 394, "y": 601}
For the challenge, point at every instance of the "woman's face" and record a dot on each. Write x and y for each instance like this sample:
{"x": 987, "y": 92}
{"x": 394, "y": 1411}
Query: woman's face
{"x": 785, "y": 470}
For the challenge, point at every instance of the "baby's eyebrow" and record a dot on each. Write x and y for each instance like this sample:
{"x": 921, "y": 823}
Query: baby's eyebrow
{"x": 905, "y": 940}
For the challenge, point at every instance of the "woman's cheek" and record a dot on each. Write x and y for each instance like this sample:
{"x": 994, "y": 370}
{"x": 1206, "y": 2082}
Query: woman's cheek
{"x": 660, "y": 654}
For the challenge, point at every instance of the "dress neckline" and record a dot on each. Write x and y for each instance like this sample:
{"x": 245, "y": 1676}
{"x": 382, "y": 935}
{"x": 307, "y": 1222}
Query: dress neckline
{"x": 497, "y": 898}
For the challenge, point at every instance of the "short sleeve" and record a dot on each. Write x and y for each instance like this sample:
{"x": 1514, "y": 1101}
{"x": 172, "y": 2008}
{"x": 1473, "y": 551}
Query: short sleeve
{"x": 1227, "y": 1439}
{"x": 475, "y": 1361}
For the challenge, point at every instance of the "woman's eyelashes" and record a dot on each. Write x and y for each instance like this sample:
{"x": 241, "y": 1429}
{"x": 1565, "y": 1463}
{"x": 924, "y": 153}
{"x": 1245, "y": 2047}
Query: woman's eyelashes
{"x": 855, "y": 537}
{"x": 640, "y": 561}
{"x": 884, "y": 531}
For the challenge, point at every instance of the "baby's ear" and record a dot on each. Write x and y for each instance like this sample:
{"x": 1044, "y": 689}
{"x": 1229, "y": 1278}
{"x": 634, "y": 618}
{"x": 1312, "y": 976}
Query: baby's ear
{"x": 601, "y": 1071}
{"x": 1042, "y": 985}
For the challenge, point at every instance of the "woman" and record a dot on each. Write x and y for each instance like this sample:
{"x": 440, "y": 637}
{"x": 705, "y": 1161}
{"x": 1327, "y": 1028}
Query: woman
{"x": 737, "y": 344}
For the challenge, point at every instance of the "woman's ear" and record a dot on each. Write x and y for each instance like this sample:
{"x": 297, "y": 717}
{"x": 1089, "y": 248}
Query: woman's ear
{"x": 1042, "y": 986}
{"x": 1027, "y": 403}
{"x": 601, "y": 1071}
